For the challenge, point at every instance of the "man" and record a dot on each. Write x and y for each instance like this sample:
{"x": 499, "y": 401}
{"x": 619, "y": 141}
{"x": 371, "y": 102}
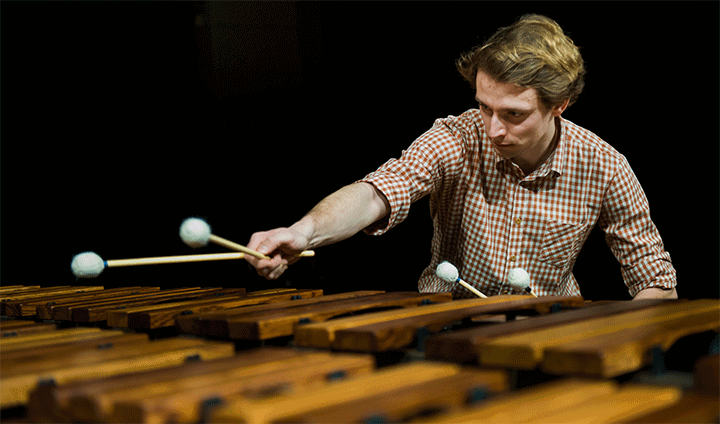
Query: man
{"x": 511, "y": 184}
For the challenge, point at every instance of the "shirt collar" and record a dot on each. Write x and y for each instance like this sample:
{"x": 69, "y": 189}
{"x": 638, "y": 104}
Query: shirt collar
{"x": 553, "y": 165}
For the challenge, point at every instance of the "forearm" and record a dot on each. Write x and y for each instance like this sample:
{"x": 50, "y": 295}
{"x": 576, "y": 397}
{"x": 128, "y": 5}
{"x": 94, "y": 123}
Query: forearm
{"x": 342, "y": 214}
{"x": 656, "y": 293}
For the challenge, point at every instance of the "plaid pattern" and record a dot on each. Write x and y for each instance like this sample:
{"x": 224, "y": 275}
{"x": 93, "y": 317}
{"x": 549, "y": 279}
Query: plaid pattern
{"x": 489, "y": 217}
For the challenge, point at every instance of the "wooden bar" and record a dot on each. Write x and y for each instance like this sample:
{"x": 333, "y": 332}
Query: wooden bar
{"x": 53, "y": 403}
{"x": 44, "y": 308}
{"x": 41, "y": 340}
{"x": 693, "y": 407}
{"x": 617, "y": 353}
{"x": 279, "y": 409}
{"x": 408, "y": 402}
{"x": 400, "y": 333}
{"x": 15, "y": 289}
{"x": 100, "y": 340}
{"x": 526, "y": 350}
{"x": 18, "y": 380}
{"x": 117, "y": 315}
{"x": 184, "y": 404}
{"x": 12, "y": 304}
{"x": 165, "y": 315}
{"x": 99, "y": 312}
{"x": 21, "y": 328}
{"x": 278, "y": 323}
{"x": 215, "y": 324}
{"x": 322, "y": 335}
{"x": 461, "y": 345}
{"x": 568, "y": 401}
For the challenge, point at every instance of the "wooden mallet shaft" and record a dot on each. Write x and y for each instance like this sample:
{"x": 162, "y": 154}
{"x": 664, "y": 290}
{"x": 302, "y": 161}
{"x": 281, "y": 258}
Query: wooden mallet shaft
{"x": 240, "y": 248}
{"x": 173, "y": 259}
{"x": 471, "y": 288}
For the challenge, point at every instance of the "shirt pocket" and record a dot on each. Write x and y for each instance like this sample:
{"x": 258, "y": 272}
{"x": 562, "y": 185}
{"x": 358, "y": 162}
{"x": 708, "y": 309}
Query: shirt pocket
{"x": 561, "y": 243}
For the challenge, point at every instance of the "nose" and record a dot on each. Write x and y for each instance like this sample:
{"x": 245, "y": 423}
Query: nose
{"x": 496, "y": 128}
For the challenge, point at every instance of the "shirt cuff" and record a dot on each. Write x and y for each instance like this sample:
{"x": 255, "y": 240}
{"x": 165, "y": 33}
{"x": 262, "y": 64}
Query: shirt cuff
{"x": 394, "y": 188}
{"x": 656, "y": 274}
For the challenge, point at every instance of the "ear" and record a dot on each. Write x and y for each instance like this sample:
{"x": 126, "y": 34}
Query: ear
{"x": 559, "y": 109}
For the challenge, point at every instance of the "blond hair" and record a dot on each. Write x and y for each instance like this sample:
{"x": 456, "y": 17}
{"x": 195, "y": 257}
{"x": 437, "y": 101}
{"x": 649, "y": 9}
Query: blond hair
{"x": 534, "y": 52}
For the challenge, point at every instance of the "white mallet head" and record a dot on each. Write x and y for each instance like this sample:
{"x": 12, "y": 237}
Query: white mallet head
{"x": 195, "y": 232}
{"x": 87, "y": 265}
{"x": 519, "y": 279}
{"x": 447, "y": 272}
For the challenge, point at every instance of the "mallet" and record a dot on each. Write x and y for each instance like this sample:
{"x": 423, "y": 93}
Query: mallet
{"x": 195, "y": 232}
{"x": 519, "y": 279}
{"x": 90, "y": 264}
{"x": 448, "y": 273}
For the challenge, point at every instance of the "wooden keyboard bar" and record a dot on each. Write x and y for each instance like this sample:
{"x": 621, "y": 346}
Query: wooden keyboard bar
{"x": 526, "y": 350}
{"x": 165, "y": 315}
{"x": 524, "y": 404}
{"x": 386, "y": 380}
{"x": 568, "y": 401}
{"x": 101, "y": 340}
{"x": 16, "y": 288}
{"x": 12, "y": 304}
{"x": 116, "y": 313}
{"x": 322, "y": 335}
{"x": 81, "y": 313}
{"x": 691, "y": 408}
{"x": 53, "y": 403}
{"x": 400, "y": 333}
{"x": 610, "y": 355}
{"x": 461, "y": 345}
{"x": 44, "y": 308}
{"x": 405, "y": 403}
{"x": 21, "y": 328}
{"x": 98, "y": 311}
{"x": 184, "y": 403}
{"x": 40, "y": 340}
{"x": 215, "y": 324}
{"x": 16, "y": 305}
{"x": 628, "y": 402}
{"x": 19, "y": 380}
{"x": 278, "y": 323}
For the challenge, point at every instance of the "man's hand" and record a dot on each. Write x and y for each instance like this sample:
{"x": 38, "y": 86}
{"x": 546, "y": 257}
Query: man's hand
{"x": 337, "y": 217}
{"x": 282, "y": 245}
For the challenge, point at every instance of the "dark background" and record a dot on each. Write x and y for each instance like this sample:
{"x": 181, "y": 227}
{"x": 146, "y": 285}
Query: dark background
{"x": 119, "y": 120}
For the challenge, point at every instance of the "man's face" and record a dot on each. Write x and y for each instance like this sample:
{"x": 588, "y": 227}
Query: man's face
{"x": 520, "y": 127}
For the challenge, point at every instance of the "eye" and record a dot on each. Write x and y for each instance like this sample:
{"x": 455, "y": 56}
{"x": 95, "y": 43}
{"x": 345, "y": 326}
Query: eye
{"x": 514, "y": 114}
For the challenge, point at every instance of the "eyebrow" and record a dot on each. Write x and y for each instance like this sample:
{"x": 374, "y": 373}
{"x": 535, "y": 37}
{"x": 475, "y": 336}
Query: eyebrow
{"x": 514, "y": 109}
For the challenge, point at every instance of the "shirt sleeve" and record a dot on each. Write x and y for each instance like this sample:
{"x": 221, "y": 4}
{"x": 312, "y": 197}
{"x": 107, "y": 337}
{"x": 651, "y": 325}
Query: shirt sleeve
{"x": 429, "y": 162}
{"x": 632, "y": 236}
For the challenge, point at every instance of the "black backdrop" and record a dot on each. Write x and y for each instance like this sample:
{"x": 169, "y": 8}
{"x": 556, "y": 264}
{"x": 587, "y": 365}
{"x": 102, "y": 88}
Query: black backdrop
{"x": 120, "y": 119}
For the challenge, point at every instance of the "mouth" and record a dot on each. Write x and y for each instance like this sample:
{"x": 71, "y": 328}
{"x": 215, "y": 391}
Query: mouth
{"x": 500, "y": 145}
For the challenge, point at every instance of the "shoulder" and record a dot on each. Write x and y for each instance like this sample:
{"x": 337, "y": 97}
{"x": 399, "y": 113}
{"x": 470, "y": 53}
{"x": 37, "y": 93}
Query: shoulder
{"x": 468, "y": 122}
{"x": 587, "y": 147}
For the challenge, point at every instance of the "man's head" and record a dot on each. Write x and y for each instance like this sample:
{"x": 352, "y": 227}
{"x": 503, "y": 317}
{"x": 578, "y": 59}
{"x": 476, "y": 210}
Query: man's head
{"x": 534, "y": 52}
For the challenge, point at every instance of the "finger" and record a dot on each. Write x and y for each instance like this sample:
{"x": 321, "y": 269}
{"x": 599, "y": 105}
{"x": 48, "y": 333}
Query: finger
{"x": 277, "y": 272}
{"x": 258, "y": 241}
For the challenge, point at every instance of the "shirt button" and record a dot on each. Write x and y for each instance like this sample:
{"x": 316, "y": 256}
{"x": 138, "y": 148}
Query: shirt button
{"x": 513, "y": 258}
{"x": 518, "y": 221}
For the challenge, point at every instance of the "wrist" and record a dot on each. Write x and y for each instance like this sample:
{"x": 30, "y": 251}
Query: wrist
{"x": 306, "y": 228}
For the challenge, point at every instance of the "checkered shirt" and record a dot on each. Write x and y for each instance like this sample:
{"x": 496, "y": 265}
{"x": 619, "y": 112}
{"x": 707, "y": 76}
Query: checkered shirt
{"x": 489, "y": 217}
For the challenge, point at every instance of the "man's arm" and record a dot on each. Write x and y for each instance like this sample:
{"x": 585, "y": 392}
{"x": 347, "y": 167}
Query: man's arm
{"x": 337, "y": 217}
{"x": 656, "y": 293}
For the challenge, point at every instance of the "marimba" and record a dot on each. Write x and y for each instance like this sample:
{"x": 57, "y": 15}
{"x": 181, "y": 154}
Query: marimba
{"x": 142, "y": 354}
